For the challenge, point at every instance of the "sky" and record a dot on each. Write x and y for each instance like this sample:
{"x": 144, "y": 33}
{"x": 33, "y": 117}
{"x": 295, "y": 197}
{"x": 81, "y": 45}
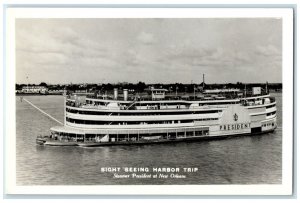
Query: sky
{"x": 226, "y": 50}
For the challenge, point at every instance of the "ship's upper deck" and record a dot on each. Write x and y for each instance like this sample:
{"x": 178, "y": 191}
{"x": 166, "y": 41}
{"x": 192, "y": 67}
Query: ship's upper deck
{"x": 159, "y": 99}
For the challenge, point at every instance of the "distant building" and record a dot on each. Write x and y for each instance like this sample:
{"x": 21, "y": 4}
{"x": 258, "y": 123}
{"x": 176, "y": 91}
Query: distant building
{"x": 80, "y": 91}
{"x": 34, "y": 89}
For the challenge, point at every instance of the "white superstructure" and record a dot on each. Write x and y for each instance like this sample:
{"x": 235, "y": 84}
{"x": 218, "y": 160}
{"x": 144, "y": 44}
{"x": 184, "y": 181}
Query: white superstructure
{"x": 144, "y": 119}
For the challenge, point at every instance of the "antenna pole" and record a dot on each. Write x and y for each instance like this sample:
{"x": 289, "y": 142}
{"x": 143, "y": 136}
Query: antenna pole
{"x": 194, "y": 93}
{"x": 203, "y": 82}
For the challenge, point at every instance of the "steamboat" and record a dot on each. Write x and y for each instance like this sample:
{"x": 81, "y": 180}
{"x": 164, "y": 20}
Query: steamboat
{"x": 121, "y": 119}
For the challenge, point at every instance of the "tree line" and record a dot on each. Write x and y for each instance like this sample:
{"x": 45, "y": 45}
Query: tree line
{"x": 141, "y": 86}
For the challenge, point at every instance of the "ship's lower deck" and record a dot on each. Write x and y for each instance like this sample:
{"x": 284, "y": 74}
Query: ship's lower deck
{"x": 93, "y": 143}
{"x": 69, "y": 136}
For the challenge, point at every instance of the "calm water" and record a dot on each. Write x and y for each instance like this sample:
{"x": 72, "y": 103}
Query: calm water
{"x": 240, "y": 160}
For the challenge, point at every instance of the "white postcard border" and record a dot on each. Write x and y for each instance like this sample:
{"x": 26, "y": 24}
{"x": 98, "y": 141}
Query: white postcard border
{"x": 287, "y": 69}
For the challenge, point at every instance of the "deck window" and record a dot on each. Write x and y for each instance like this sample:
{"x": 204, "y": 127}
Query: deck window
{"x": 92, "y": 122}
{"x": 190, "y": 134}
{"x": 75, "y": 111}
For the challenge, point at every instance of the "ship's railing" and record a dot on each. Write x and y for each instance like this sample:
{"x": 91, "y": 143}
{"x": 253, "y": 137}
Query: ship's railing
{"x": 126, "y": 135}
{"x": 88, "y": 106}
{"x": 59, "y": 138}
{"x": 174, "y": 107}
{"x": 172, "y": 96}
{"x": 184, "y": 97}
{"x": 258, "y": 103}
{"x": 131, "y": 106}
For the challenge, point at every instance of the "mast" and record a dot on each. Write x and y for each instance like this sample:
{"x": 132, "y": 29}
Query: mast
{"x": 203, "y": 83}
{"x": 194, "y": 89}
{"x": 194, "y": 92}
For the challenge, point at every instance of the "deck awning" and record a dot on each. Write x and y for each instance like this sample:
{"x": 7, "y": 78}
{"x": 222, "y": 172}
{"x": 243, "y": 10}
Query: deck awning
{"x": 66, "y": 129}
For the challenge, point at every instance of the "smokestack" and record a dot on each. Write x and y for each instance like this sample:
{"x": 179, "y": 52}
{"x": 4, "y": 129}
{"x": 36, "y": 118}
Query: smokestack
{"x": 115, "y": 93}
{"x": 125, "y": 92}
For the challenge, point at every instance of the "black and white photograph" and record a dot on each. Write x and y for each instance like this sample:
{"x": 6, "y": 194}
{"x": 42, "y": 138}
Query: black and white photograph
{"x": 150, "y": 101}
